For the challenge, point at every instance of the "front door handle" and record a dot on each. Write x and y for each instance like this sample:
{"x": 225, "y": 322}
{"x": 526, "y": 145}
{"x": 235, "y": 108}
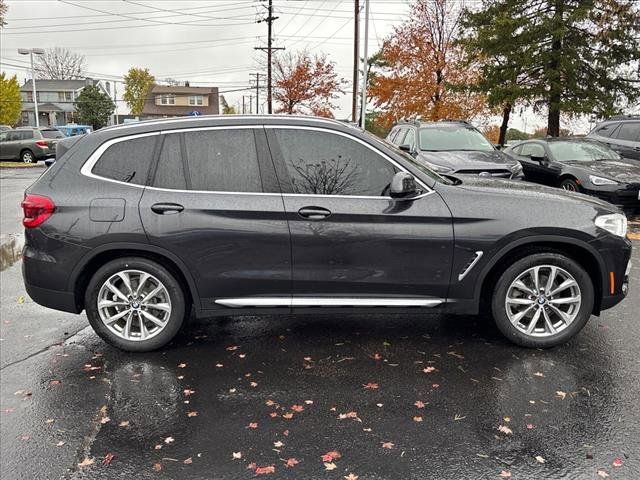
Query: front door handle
{"x": 166, "y": 208}
{"x": 314, "y": 213}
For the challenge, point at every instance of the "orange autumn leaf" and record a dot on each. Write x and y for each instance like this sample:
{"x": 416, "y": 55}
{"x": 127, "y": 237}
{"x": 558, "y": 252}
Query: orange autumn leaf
{"x": 291, "y": 462}
{"x": 331, "y": 456}
{"x": 265, "y": 470}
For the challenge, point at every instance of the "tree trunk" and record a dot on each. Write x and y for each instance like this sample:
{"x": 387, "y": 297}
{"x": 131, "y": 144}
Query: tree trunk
{"x": 506, "y": 113}
{"x": 554, "y": 77}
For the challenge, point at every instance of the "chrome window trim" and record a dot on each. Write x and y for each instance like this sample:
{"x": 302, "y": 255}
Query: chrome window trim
{"x": 87, "y": 168}
{"x": 292, "y": 302}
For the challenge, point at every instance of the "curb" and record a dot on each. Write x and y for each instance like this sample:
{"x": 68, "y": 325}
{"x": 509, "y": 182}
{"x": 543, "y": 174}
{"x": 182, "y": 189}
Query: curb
{"x": 18, "y": 165}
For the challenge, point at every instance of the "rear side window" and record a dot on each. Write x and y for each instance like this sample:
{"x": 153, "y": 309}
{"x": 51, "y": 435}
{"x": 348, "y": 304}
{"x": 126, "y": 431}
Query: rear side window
{"x": 214, "y": 161}
{"x": 52, "y": 133}
{"x": 24, "y": 135}
{"x": 127, "y": 161}
{"x": 325, "y": 163}
{"x": 629, "y": 131}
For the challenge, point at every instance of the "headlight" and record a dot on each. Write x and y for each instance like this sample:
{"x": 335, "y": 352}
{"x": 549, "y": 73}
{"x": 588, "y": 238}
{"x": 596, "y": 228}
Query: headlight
{"x": 601, "y": 181}
{"x": 614, "y": 223}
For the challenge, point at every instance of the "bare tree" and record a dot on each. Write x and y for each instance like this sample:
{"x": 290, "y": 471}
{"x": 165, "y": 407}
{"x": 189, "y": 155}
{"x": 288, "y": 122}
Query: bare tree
{"x": 60, "y": 64}
{"x": 3, "y": 13}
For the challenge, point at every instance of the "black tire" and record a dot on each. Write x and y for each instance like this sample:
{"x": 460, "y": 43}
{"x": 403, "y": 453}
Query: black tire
{"x": 27, "y": 156}
{"x": 179, "y": 307}
{"x": 498, "y": 306}
{"x": 569, "y": 184}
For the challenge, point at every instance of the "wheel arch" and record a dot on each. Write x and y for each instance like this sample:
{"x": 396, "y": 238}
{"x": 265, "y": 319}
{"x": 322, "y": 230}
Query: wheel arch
{"x": 569, "y": 176}
{"x": 581, "y": 252}
{"x": 93, "y": 260}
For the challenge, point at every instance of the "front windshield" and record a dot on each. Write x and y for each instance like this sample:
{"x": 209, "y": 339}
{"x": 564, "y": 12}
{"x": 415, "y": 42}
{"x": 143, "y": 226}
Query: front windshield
{"x": 408, "y": 158}
{"x": 447, "y": 138}
{"x": 584, "y": 151}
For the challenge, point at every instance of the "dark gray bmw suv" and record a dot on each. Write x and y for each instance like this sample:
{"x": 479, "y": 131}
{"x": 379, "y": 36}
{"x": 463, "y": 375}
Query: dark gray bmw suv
{"x": 138, "y": 224}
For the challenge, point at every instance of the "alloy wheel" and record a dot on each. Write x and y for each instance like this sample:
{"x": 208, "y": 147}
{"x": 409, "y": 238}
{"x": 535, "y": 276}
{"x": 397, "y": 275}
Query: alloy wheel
{"x": 569, "y": 187}
{"x": 27, "y": 157}
{"x": 134, "y": 305}
{"x": 543, "y": 301}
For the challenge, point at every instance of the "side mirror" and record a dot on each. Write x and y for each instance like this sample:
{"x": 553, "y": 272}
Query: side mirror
{"x": 403, "y": 185}
{"x": 405, "y": 147}
{"x": 539, "y": 159}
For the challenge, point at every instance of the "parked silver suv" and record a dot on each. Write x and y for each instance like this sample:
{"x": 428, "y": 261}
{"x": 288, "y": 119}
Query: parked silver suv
{"x": 29, "y": 144}
{"x": 621, "y": 133}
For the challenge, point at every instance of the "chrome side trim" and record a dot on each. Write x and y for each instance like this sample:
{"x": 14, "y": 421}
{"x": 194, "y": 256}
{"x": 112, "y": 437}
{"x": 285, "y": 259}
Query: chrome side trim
{"x": 471, "y": 265}
{"x": 327, "y": 302}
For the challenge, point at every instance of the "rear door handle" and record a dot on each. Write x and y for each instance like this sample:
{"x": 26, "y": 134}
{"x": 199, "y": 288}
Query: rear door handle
{"x": 314, "y": 213}
{"x": 166, "y": 208}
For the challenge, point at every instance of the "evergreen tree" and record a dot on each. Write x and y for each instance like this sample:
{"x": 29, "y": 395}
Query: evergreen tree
{"x": 94, "y": 107}
{"x": 564, "y": 55}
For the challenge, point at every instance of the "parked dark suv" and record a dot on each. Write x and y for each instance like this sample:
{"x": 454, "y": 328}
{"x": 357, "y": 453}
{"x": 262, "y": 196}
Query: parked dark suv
{"x": 621, "y": 133}
{"x": 137, "y": 224}
{"x": 453, "y": 147}
{"x": 29, "y": 144}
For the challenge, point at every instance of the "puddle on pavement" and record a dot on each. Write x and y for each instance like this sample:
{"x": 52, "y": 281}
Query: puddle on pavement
{"x": 10, "y": 252}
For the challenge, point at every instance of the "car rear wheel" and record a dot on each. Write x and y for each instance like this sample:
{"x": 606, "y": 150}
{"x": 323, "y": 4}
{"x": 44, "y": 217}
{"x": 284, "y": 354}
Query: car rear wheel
{"x": 542, "y": 300}
{"x": 570, "y": 185}
{"x": 26, "y": 156}
{"x": 135, "y": 304}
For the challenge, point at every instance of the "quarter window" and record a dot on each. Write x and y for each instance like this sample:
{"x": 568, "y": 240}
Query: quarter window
{"x": 127, "y": 161}
{"x": 324, "y": 163}
{"x": 607, "y": 130}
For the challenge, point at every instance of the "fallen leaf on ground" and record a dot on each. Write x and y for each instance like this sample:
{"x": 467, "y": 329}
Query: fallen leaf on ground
{"x": 331, "y": 456}
{"x": 192, "y": 414}
{"x": 188, "y": 461}
{"x": 539, "y": 374}
{"x": 278, "y": 444}
{"x": 309, "y": 402}
{"x": 371, "y": 386}
{"x": 182, "y": 365}
{"x": 20, "y": 300}
{"x": 603, "y": 474}
{"x": 86, "y": 462}
{"x": 377, "y": 356}
{"x": 297, "y": 408}
{"x": 417, "y": 419}
{"x": 429, "y": 369}
{"x": 506, "y": 419}
{"x": 540, "y": 459}
{"x": 265, "y": 470}
{"x": 419, "y": 404}
{"x": 55, "y": 382}
{"x": 50, "y": 420}
{"x": 288, "y": 415}
{"x": 219, "y": 365}
{"x": 108, "y": 458}
{"x": 157, "y": 467}
{"x": 351, "y": 476}
{"x": 342, "y": 416}
{"x": 617, "y": 462}
{"x": 504, "y": 429}
{"x": 253, "y": 425}
{"x": 169, "y": 440}
{"x": 188, "y": 392}
{"x": 330, "y": 466}
{"x": 561, "y": 394}
{"x": 505, "y": 474}
{"x": 104, "y": 420}
{"x": 232, "y": 348}
{"x": 291, "y": 462}
{"x": 236, "y": 455}
{"x": 60, "y": 443}
{"x": 387, "y": 445}
{"x": 273, "y": 414}
{"x": 124, "y": 423}
{"x": 254, "y": 384}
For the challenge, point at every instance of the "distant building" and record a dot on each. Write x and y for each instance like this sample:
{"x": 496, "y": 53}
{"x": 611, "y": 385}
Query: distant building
{"x": 176, "y": 101}
{"x": 56, "y": 100}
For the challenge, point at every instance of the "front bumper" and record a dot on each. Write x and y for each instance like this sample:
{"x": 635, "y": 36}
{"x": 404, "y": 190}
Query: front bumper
{"x": 625, "y": 196}
{"x": 617, "y": 260}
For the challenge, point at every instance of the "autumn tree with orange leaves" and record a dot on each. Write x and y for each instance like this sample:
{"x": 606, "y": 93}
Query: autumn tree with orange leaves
{"x": 306, "y": 84}
{"x": 421, "y": 71}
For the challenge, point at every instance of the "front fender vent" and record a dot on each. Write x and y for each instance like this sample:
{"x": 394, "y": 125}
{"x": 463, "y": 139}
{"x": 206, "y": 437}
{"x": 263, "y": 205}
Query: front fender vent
{"x": 476, "y": 257}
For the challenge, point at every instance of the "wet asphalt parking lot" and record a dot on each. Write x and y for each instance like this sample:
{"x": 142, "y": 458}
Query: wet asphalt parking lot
{"x": 368, "y": 397}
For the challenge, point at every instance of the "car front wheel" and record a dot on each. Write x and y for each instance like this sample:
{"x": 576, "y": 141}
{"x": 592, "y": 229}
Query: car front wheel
{"x": 542, "y": 300}
{"x": 135, "y": 304}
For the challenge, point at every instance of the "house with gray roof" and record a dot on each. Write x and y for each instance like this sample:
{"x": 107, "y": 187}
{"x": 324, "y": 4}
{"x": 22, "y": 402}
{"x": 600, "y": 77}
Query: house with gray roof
{"x": 180, "y": 100}
{"x": 56, "y": 100}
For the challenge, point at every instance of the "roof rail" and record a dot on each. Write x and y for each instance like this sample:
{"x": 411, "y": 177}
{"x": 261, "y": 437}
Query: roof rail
{"x": 625, "y": 117}
{"x": 459, "y": 120}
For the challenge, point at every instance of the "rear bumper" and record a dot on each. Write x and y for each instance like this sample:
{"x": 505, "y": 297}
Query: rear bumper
{"x": 56, "y": 299}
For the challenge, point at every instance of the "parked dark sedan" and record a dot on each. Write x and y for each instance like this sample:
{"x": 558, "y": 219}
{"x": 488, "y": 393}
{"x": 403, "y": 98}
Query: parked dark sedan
{"x": 141, "y": 224}
{"x": 453, "y": 147}
{"x": 581, "y": 165}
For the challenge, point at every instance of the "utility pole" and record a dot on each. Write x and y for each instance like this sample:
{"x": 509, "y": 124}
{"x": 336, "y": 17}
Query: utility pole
{"x": 356, "y": 60}
{"x": 269, "y": 49}
{"x": 257, "y": 75}
{"x": 365, "y": 73}
{"x": 250, "y": 104}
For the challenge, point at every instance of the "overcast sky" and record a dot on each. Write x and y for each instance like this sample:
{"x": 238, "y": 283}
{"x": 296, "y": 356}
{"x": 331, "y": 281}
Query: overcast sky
{"x": 208, "y": 42}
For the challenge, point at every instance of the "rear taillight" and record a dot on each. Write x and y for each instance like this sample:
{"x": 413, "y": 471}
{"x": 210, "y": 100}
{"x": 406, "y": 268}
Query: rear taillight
{"x": 37, "y": 209}
{"x": 42, "y": 143}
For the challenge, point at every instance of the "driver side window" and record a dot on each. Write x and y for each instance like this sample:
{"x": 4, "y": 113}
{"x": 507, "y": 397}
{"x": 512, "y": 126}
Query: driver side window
{"x": 325, "y": 163}
{"x": 532, "y": 150}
